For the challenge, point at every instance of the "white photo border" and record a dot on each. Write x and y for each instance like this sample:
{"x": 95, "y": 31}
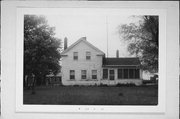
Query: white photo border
{"x": 160, "y": 108}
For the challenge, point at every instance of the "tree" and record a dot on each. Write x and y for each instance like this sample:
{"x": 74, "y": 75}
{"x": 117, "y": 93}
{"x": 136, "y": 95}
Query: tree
{"x": 41, "y": 48}
{"x": 143, "y": 40}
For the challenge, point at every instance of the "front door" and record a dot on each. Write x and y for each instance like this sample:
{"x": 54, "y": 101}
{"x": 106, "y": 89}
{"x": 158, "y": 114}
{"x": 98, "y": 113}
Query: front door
{"x": 111, "y": 74}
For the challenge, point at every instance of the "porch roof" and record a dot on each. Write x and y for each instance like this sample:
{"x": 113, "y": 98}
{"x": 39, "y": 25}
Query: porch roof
{"x": 132, "y": 61}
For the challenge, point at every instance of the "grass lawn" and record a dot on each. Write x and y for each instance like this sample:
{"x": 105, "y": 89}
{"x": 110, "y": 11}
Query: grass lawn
{"x": 69, "y": 95}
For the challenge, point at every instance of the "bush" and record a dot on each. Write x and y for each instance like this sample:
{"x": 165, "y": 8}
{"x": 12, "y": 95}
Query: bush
{"x": 121, "y": 94}
{"x": 126, "y": 85}
{"x": 103, "y": 85}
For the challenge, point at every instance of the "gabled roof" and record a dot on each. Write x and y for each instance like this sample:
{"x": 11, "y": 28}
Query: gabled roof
{"x": 83, "y": 39}
{"x": 130, "y": 61}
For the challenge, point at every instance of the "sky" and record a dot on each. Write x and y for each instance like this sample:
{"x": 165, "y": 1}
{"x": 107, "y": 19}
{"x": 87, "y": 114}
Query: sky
{"x": 99, "y": 30}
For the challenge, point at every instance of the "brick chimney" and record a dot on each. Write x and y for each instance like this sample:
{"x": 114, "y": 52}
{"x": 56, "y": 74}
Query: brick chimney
{"x": 65, "y": 43}
{"x": 83, "y": 38}
{"x": 117, "y": 53}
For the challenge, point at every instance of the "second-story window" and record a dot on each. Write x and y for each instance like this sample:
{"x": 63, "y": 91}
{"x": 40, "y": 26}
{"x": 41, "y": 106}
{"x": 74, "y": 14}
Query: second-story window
{"x": 75, "y": 55}
{"x": 88, "y": 55}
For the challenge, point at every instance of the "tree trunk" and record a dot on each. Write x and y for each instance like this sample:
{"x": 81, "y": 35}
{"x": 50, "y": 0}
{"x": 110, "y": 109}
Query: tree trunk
{"x": 33, "y": 86}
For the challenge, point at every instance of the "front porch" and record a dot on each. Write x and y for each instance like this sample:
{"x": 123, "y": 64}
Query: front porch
{"x": 121, "y": 75}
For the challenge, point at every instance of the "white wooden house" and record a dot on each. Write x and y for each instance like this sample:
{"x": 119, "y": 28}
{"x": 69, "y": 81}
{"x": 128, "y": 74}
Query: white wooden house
{"x": 84, "y": 64}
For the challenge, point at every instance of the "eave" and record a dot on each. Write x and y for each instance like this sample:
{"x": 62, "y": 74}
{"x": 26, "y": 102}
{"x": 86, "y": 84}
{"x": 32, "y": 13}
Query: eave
{"x": 122, "y": 66}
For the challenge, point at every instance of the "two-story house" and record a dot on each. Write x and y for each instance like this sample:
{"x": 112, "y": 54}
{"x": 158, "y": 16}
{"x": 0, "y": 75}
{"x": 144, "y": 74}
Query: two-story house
{"x": 84, "y": 64}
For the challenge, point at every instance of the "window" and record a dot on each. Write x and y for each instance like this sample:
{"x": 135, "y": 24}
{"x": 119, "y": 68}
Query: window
{"x": 83, "y": 74}
{"x": 75, "y": 55}
{"x": 136, "y": 73}
{"x": 72, "y": 74}
{"x": 125, "y": 73}
{"x": 120, "y": 73}
{"x": 111, "y": 74}
{"x": 131, "y": 73}
{"x": 88, "y": 55}
{"x": 128, "y": 73}
{"x": 94, "y": 74}
{"x": 105, "y": 73}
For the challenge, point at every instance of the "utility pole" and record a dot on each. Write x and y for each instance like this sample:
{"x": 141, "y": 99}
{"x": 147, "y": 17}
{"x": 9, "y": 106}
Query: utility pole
{"x": 107, "y": 33}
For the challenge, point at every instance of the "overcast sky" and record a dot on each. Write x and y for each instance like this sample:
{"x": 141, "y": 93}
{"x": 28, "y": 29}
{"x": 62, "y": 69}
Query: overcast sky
{"x": 98, "y": 29}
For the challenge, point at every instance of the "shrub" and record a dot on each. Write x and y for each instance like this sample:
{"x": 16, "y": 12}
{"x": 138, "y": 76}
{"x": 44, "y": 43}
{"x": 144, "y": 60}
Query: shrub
{"x": 126, "y": 85}
{"x": 121, "y": 94}
{"x": 103, "y": 85}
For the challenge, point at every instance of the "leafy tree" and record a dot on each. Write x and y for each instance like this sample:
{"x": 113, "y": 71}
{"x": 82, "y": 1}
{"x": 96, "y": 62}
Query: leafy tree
{"x": 41, "y": 48}
{"x": 143, "y": 40}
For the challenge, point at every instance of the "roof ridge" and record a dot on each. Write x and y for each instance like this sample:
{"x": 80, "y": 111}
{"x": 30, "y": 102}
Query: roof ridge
{"x": 78, "y": 41}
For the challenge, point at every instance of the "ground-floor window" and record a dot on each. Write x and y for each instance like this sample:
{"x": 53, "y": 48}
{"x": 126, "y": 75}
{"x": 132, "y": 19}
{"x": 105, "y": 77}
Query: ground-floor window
{"x": 72, "y": 74}
{"x": 128, "y": 74}
{"x": 125, "y": 73}
{"x": 120, "y": 73}
{"x": 137, "y": 73}
{"x": 105, "y": 73}
{"x": 111, "y": 74}
{"x": 94, "y": 74}
{"x": 131, "y": 73}
{"x": 83, "y": 74}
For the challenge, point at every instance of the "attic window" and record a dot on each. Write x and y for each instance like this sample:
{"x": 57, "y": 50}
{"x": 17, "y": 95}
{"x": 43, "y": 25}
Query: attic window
{"x": 88, "y": 55}
{"x": 75, "y": 55}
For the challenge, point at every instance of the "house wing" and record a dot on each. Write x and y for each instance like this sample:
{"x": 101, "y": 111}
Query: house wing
{"x": 83, "y": 39}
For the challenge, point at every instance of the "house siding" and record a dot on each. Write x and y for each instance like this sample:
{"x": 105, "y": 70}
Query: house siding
{"x": 68, "y": 63}
{"x": 95, "y": 63}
